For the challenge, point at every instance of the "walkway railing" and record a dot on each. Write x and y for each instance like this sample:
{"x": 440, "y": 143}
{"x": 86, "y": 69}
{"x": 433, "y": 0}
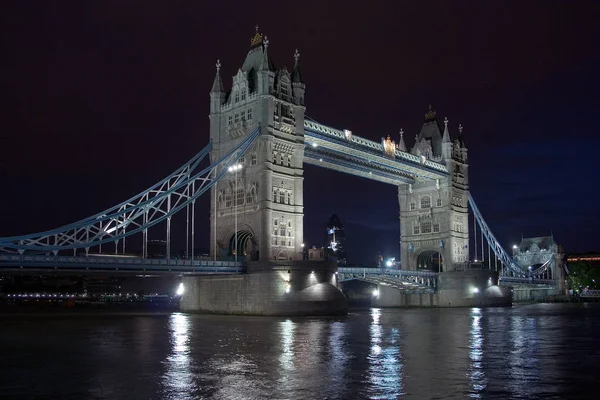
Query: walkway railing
{"x": 24, "y": 261}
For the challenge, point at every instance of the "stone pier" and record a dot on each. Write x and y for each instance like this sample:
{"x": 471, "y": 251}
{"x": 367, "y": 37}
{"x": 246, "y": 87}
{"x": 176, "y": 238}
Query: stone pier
{"x": 286, "y": 288}
{"x": 471, "y": 288}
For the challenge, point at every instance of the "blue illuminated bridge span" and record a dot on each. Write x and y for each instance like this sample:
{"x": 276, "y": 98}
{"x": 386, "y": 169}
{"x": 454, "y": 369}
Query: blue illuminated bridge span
{"x": 76, "y": 246}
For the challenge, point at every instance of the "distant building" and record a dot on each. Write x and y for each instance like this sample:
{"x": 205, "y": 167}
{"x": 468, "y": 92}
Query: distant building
{"x": 315, "y": 254}
{"x": 335, "y": 240}
{"x": 536, "y": 251}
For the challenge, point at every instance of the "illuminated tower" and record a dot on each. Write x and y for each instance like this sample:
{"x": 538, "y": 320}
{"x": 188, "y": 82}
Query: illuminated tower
{"x": 264, "y": 198}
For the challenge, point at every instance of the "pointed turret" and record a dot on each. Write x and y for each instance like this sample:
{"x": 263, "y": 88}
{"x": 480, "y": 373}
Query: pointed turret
{"x": 446, "y": 142}
{"x": 298, "y": 86}
{"x": 297, "y": 76}
{"x": 218, "y": 83}
{"x": 264, "y": 64}
{"x": 401, "y": 144}
{"x": 217, "y": 93}
{"x": 446, "y": 137}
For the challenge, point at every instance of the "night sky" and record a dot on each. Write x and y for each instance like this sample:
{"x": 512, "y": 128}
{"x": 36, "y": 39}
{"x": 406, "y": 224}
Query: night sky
{"x": 101, "y": 99}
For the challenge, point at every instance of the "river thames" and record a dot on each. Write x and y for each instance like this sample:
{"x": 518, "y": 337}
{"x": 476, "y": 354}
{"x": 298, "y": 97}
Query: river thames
{"x": 541, "y": 351}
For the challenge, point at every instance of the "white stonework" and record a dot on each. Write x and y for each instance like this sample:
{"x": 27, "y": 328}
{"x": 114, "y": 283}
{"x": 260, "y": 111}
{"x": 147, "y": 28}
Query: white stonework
{"x": 269, "y": 200}
{"x": 434, "y": 213}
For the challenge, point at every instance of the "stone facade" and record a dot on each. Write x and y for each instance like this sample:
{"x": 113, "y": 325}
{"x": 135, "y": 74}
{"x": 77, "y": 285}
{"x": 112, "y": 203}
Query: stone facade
{"x": 271, "y": 288}
{"x": 434, "y": 217}
{"x": 268, "y": 194}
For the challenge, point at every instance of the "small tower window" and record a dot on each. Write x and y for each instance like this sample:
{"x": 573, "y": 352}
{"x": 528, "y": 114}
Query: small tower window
{"x": 425, "y": 202}
{"x": 253, "y": 159}
{"x": 243, "y": 94}
{"x": 230, "y": 120}
{"x": 237, "y": 97}
{"x": 416, "y": 230}
{"x": 426, "y": 227}
{"x": 249, "y": 114}
{"x": 436, "y": 227}
{"x": 439, "y": 202}
{"x": 281, "y": 197}
{"x": 237, "y": 118}
{"x": 413, "y": 206}
{"x": 275, "y": 199}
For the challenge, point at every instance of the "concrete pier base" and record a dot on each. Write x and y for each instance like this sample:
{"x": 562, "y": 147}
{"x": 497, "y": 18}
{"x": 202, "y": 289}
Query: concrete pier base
{"x": 526, "y": 294}
{"x": 287, "y": 288}
{"x": 471, "y": 288}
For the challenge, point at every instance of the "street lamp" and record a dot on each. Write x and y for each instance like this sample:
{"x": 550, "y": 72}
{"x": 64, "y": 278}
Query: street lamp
{"x": 235, "y": 168}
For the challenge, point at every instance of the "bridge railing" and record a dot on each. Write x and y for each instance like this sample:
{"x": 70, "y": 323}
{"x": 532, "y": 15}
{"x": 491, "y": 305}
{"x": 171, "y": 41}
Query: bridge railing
{"x": 590, "y": 293}
{"x": 24, "y": 259}
{"x": 526, "y": 281}
{"x": 386, "y": 271}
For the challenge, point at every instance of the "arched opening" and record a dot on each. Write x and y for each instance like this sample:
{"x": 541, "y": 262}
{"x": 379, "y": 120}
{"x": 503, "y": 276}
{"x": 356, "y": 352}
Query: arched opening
{"x": 282, "y": 256}
{"x": 246, "y": 245}
{"x": 430, "y": 261}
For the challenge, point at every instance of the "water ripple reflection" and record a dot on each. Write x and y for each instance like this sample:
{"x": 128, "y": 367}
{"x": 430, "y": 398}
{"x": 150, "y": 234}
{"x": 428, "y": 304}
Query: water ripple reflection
{"x": 525, "y": 352}
{"x": 177, "y": 380}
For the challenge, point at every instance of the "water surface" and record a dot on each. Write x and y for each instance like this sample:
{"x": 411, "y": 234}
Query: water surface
{"x": 545, "y": 351}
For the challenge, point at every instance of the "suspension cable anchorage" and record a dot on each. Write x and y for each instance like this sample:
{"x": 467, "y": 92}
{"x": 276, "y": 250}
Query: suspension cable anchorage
{"x": 111, "y": 225}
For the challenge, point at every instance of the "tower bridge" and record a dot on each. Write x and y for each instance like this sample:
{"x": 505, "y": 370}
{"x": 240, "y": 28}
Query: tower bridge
{"x": 260, "y": 140}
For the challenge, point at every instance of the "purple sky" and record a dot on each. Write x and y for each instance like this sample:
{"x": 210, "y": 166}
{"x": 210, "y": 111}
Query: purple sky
{"x": 101, "y": 99}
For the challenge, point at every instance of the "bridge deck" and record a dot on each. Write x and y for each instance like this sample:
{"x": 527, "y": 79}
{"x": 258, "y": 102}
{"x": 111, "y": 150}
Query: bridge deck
{"x": 16, "y": 262}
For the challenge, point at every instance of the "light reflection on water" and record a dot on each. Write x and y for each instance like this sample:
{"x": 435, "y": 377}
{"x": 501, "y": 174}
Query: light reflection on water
{"x": 532, "y": 352}
{"x": 385, "y": 370}
{"x": 478, "y": 380}
{"x": 178, "y": 380}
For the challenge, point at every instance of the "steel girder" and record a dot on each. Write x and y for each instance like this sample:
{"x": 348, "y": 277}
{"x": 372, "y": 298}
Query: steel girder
{"x": 157, "y": 203}
{"x": 324, "y": 141}
{"x": 501, "y": 254}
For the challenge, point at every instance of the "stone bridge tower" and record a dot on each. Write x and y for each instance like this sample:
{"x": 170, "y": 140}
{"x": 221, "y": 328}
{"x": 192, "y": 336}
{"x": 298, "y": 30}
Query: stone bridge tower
{"x": 434, "y": 218}
{"x": 267, "y": 192}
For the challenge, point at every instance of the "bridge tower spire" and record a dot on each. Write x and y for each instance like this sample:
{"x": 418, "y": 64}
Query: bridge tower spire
{"x": 268, "y": 193}
{"x": 217, "y": 93}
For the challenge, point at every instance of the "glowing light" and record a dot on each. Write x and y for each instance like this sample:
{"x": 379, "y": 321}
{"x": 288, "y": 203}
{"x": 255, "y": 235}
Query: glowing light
{"x": 180, "y": 289}
{"x": 376, "y": 293}
{"x": 302, "y": 245}
{"x": 475, "y": 290}
{"x": 515, "y": 246}
{"x": 320, "y": 159}
{"x": 235, "y": 167}
{"x": 312, "y": 272}
{"x": 288, "y": 287}
{"x": 314, "y": 145}
{"x": 389, "y": 263}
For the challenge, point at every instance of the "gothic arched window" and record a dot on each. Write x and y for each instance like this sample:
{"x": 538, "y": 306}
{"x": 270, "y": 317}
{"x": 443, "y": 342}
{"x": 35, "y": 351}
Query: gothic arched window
{"x": 425, "y": 202}
{"x": 275, "y": 195}
{"x": 439, "y": 201}
{"x": 281, "y": 197}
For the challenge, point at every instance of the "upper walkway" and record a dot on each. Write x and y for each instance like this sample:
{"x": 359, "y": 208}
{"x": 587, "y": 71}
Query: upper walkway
{"x": 342, "y": 151}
